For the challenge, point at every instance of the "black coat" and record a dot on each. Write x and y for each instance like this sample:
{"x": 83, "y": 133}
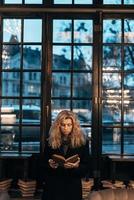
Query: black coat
{"x": 61, "y": 183}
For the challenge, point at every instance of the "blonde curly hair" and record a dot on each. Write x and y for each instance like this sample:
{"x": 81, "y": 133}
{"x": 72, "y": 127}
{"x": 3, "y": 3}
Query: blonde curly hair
{"x": 77, "y": 137}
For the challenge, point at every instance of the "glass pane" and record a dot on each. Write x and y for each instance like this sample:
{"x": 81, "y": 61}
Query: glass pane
{"x": 111, "y": 80}
{"x": 31, "y": 83}
{"x": 31, "y": 114}
{"x": 128, "y": 58}
{"x": 13, "y": 1}
{"x": 83, "y": 109}
{"x": 112, "y": 31}
{"x": 82, "y": 58}
{"x": 111, "y": 112}
{"x": 12, "y": 30}
{"x": 59, "y": 105}
{"x": 129, "y": 2}
{"x": 82, "y": 85}
{"x": 62, "y": 1}
{"x": 129, "y": 31}
{"x": 83, "y": 2}
{"x": 10, "y": 83}
{"x": 11, "y": 57}
{"x": 111, "y": 140}
{"x": 8, "y": 138}
{"x": 32, "y": 102}
{"x": 32, "y": 57}
{"x": 111, "y": 58}
{"x": 128, "y": 140}
{"x": 9, "y": 103}
{"x": 32, "y": 30}
{"x": 112, "y": 93}
{"x": 112, "y": 2}
{"x": 33, "y": 1}
{"x": 62, "y": 31}
{"x": 61, "y": 57}
{"x": 61, "y": 84}
{"x": 129, "y": 81}
{"x": 128, "y": 113}
{"x": 83, "y": 31}
{"x": 31, "y": 146}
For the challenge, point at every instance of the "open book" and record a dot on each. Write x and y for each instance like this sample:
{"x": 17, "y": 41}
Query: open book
{"x": 61, "y": 159}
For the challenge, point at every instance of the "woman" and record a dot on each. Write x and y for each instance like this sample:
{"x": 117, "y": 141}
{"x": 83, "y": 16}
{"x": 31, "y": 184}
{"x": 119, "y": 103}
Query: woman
{"x": 63, "y": 182}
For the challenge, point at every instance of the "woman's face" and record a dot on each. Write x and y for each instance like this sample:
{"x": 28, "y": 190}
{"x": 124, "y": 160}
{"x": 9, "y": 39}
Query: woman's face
{"x": 66, "y": 126}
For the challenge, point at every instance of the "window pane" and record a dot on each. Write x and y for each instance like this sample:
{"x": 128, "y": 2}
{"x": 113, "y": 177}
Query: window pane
{"x": 129, "y": 2}
{"x": 31, "y": 114}
{"x": 128, "y": 58}
{"x": 111, "y": 58}
{"x": 83, "y": 2}
{"x": 61, "y": 57}
{"x": 129, "y": 81}
{"x": 111, "y": 140}
{"x": 11, "y": 57}
{"x": 62, "y": 31}
{"x": 128, "y": 113}
{"x": 129, "y": 31}
{"x": 33, "y": 1}
{"x": 82, "y": 85}
{"x": 83, "y": 31}
{"x": 11, "y": 30}
{"x": 32, "y": 30}
{"x": 10, "y": 83}
{"x": 62, "y": 1}
{"x": 110, "y": 93}
{"x": 61, "y": 84}
{"x": 82, "y": 57}
{"x": 83, "y": 110}
{"x": 59, "y": 105}
{"x": 31, "y": 83}
{"x": 129, "y": 140}
{"x": 111, "y": 31}
{"x": 32, "y": 57}
{"x": 111, "y": 112}
{"x": 111, "y": 80}
{"x": 112, "y": 2}
{"x": 13, "y": 1}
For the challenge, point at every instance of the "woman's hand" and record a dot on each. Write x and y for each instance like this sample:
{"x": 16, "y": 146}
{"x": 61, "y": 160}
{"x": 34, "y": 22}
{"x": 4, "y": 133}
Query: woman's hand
{"x": 69, "y": 165}
{"x": 53, "y": 164}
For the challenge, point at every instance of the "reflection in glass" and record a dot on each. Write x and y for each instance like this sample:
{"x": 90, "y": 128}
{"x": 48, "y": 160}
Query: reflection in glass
{"x": 111, "y": 140}
{"x": 32, "y": 30}
{"x": 31, "y": 83}
{"x": 32, "y": 57}
{"x": 129, "y": 30}
{"x": 62, "y": 31}
{"x": 83, "y": 2}
{"x": 61, "y": 57}
{"x": 83, "y": 31}
{"x": 128, "y": 57}
{"x": 129, "y": 81}
{"x": 82, "y": 57}
{"x": 11, "y": 57}
{"x": 61, "y": 84}
{"x": 112, "y": 93}
{"x": 112, "y": 31}
{"x": 128, "y": 140}
{"x": 31, "y": 114}
{"x": 31, "y": 102}
{"x": 128, "y": 113}
{"x": 111, "y": 112}
{"x": 30, "y": 137}
{"x": 33, "y": 1}
{"x": 59, "y": 105}
{"x": 9, "y": 102}
{"x": 62, "y": 1}
{"x": 111, "y": 58}
{"x": 83, "y": 109}
{"x": 111, "y": 80}
{"x": 82, "y": 85}
{"x": 13, "y": 1}
{"x": 10, "y": 83}
{"x": 129, "y": 2}
{"x": 112, "y": 2}
{"x": 12, "y": 30}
